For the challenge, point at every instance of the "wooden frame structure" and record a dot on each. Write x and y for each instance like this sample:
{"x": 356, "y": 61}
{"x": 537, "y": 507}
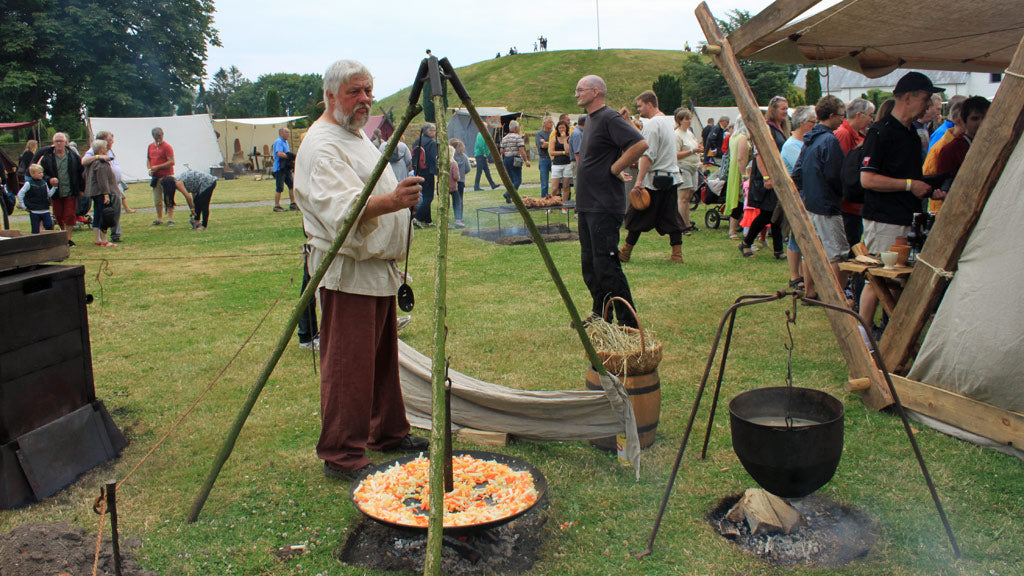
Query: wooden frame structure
{"x": 981, "y": 170}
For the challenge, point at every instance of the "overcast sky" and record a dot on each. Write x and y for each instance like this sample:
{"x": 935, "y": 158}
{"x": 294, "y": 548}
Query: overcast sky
{"x": 305, "y": 36}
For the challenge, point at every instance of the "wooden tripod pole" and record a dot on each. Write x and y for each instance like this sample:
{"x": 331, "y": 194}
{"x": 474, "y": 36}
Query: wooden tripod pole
{"x": 293, "y": 321}
{"x": 439, "y": 407}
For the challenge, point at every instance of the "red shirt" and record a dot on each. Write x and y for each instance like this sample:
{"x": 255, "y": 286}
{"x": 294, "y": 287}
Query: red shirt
{"x": 159, "y": 155}
{"x": 848, "y": 138}
{"x": 952, "y": 155}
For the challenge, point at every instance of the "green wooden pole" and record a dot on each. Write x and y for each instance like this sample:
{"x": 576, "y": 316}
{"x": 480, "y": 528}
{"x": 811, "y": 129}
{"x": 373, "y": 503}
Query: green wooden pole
{"x": 293, "y": 321}
{"x": 439, "y": 411}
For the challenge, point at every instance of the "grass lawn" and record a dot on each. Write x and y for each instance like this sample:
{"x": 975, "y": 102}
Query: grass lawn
{"x": 172, "y": 306}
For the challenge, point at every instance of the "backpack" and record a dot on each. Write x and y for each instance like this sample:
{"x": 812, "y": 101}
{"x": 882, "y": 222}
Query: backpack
{"x": 419, "y": 157}
{"x": 850, "y": 176}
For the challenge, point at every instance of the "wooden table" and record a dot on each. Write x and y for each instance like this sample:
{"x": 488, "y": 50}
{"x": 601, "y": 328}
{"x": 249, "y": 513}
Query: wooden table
{"x": 887, "y": 282}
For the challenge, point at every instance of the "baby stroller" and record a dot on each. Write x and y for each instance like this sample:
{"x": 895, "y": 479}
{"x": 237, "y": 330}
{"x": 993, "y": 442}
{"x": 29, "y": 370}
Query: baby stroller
{"x": 712, "y": 192}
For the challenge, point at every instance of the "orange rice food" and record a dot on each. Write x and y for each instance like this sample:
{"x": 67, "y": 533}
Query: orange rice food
{"x": 484, "y": 491}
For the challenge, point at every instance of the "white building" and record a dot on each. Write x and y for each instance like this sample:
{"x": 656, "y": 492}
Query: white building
{"x": 847, "y": 85}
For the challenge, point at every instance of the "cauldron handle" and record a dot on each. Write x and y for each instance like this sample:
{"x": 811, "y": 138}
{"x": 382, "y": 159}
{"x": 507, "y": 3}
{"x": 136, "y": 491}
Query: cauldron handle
{"x": 607, "y": 305}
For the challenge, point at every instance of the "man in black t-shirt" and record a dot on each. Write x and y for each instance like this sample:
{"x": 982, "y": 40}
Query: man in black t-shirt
{"x": 891, "y": 173}
{"x": 610, "y": 145}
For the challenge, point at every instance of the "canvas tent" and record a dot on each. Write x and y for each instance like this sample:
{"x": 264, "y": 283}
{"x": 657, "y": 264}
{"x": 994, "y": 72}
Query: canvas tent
{"x": 461, "y": 125}
{"x": 252, "y": 135}
{"x": 192, "y": 137}
{"x": 966, "y": 379}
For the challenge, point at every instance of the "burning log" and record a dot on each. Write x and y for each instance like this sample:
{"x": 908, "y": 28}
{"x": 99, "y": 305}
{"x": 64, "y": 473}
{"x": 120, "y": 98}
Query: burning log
{"x": 765, "y": 513}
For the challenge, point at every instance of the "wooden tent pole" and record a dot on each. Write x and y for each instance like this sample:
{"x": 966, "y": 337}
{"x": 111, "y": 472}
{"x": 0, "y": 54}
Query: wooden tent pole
{"x": 845, "y": 328}
{"x": 978, "y": 175}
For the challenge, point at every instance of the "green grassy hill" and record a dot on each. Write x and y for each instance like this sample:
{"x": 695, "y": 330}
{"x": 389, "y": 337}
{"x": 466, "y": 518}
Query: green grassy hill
{"x": 541, "y": 82}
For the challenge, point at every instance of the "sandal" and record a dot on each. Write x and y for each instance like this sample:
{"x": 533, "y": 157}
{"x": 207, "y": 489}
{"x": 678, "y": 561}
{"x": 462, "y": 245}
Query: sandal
{"x": 745, "y": 250}
{"x": 734, "y": 236}
{"x": 797, "y": 284}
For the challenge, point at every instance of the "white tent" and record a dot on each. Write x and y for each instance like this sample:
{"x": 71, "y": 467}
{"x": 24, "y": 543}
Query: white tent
{"x": 192, "y": 137}
{"x": 252, "y": 135}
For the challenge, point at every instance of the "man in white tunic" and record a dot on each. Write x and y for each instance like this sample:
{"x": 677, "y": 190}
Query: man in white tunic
{"x": 360, "y": 393}
{"x": 658, "y": 172}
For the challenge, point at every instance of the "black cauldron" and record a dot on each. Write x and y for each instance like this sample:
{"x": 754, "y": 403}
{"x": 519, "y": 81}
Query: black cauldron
{"x": 788, "y": 459}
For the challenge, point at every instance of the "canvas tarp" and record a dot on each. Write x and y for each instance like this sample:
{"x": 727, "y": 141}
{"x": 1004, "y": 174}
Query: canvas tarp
{"x": 874, "y": 37}
{"x": 192, "y": 137}
{"x": 972, "y": 345}
{"x": 532, "y": 415}
{"x": 251, "y": 133}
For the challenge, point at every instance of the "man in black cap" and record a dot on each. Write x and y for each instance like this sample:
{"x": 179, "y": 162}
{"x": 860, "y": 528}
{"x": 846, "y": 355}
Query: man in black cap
{"x": 891, "y": 173}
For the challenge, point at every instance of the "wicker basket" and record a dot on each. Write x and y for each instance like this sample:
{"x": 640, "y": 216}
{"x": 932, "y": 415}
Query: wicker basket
{"x": 642, "y": 361}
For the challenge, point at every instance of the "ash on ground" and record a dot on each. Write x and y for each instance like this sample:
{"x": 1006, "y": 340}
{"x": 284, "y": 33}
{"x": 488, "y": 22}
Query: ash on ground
{"x": 514, "y": 235}
{"x": 833, "y": 534}
{"x": 511, "y": 548}
{"x": 34, "y": 549}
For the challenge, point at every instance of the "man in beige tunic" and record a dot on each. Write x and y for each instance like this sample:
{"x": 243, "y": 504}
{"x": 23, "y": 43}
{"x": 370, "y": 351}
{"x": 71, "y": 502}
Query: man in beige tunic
{"x": 360, "y": 393}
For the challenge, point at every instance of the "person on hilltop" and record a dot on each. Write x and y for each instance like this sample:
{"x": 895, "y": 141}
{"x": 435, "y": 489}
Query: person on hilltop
{"x": 361, "y": 404}
{"x": 609, "y": 145}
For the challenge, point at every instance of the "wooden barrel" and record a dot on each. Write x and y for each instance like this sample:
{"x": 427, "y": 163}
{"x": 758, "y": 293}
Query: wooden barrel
{"x": 645, "y": 394}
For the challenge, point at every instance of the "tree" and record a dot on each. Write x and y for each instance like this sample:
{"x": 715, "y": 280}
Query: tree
{"x": 812, "y": 93}
{"x": 65, "y": 58}
{"x": 876, "y": 96}
{"x": 669, "y": 92}
{"x": 273, "y": 103}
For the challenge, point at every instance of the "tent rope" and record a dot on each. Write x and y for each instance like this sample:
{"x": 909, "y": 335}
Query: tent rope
{"x": 1009, "y": 72}
{"x": 948, "y": 275}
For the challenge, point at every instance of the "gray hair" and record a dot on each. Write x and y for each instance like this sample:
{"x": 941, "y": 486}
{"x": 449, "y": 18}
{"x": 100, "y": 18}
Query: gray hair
{"x": 859, "y": 106}
{"x": 426, "y": 128}
{"x": 802, "y": 115}
{"x": 99, "y": 146}
{"x": 512, "y": 125}
{"x": 341, "y": 72}
{"x": 724, "y": 119}
{"x": 63, "y": 134}
{"x": 103, "y": 134}
{"x": 739, "y": 126}
{"x": 158, "y": 132}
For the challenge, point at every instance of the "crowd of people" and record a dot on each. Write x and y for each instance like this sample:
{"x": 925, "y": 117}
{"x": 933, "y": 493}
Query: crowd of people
{"x": 57, "y": 179}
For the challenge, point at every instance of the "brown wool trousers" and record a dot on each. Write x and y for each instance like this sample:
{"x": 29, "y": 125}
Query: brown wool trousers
{"x": 361, "y": 402}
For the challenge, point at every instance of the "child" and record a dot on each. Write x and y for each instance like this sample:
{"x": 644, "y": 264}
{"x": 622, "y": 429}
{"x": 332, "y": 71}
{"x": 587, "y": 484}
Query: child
{"x": 35, "y": 196}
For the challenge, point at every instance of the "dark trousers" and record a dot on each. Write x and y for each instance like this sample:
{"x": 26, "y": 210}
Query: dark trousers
{"x": 599, "y": 258}
{"x": 361, "y": 402}
{"x": 422, "y": 212}
{"x": 514, "y": 172}
{"x": 481, "y": 166}
{"x": 202, "y": 204}
{"x": 545, "y": 174}
{"x": 762, "y": 221}
{"x": 307, "y": 322}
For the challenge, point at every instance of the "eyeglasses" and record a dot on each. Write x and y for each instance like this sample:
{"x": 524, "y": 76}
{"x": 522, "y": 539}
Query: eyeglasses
{"x": 582, "y": 90}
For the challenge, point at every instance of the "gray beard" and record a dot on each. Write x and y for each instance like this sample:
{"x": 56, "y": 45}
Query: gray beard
{"x": 348, "y": 121}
